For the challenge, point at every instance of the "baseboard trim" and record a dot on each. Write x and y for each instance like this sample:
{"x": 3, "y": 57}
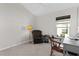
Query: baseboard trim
{"x": 16, "y": 44}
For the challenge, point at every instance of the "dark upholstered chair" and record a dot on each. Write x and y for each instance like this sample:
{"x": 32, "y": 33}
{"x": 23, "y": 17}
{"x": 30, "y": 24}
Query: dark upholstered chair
{"x": 37, "y": 36}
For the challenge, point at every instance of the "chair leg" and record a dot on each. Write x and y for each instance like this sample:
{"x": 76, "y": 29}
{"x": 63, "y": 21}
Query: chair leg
{"x": 51, "y": 52}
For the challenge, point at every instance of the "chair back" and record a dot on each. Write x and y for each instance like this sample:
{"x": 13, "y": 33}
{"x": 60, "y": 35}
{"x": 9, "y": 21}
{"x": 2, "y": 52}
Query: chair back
{"x": 37, "y": 34}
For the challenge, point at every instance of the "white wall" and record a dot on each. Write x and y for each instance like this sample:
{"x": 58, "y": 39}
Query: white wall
{"x": 78, "y": 19}
{"x": 13, "y": 18}
{"x": 47, "y": 23}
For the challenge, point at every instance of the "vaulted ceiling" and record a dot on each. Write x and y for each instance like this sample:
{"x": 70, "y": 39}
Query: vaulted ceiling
{"x": 38, "y": 9}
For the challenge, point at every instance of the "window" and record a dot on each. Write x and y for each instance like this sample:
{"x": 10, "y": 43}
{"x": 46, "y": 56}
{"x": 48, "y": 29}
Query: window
{"x": 63, "y": 27}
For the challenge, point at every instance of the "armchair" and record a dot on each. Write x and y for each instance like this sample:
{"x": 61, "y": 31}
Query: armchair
{"x": 37, "y": 36}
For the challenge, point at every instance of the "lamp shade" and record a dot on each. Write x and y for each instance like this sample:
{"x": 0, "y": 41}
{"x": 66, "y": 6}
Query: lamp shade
{"x": 29, "y": 27}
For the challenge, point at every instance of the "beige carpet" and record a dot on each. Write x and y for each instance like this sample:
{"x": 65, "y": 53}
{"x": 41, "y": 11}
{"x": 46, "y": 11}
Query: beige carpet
{"x": 29, "y": 50}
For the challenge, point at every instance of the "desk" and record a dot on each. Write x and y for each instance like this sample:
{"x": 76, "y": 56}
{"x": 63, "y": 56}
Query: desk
{"x": 71, "y": 45}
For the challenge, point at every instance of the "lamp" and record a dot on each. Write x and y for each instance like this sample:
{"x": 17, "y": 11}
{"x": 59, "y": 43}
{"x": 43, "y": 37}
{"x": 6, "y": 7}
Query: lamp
{"x": 29, "y": 28}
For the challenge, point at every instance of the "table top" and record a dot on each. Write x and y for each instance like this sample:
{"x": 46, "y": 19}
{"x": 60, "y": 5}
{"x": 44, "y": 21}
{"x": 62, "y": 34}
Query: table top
{"x": 71, "y": 42}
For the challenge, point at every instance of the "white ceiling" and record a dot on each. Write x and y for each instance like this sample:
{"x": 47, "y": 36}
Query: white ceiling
{"x": 38, "y": 9}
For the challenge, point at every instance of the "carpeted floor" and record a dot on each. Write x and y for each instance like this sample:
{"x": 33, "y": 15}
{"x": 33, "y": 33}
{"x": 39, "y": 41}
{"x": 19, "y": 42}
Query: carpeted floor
{"x": 29, "y": 50}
